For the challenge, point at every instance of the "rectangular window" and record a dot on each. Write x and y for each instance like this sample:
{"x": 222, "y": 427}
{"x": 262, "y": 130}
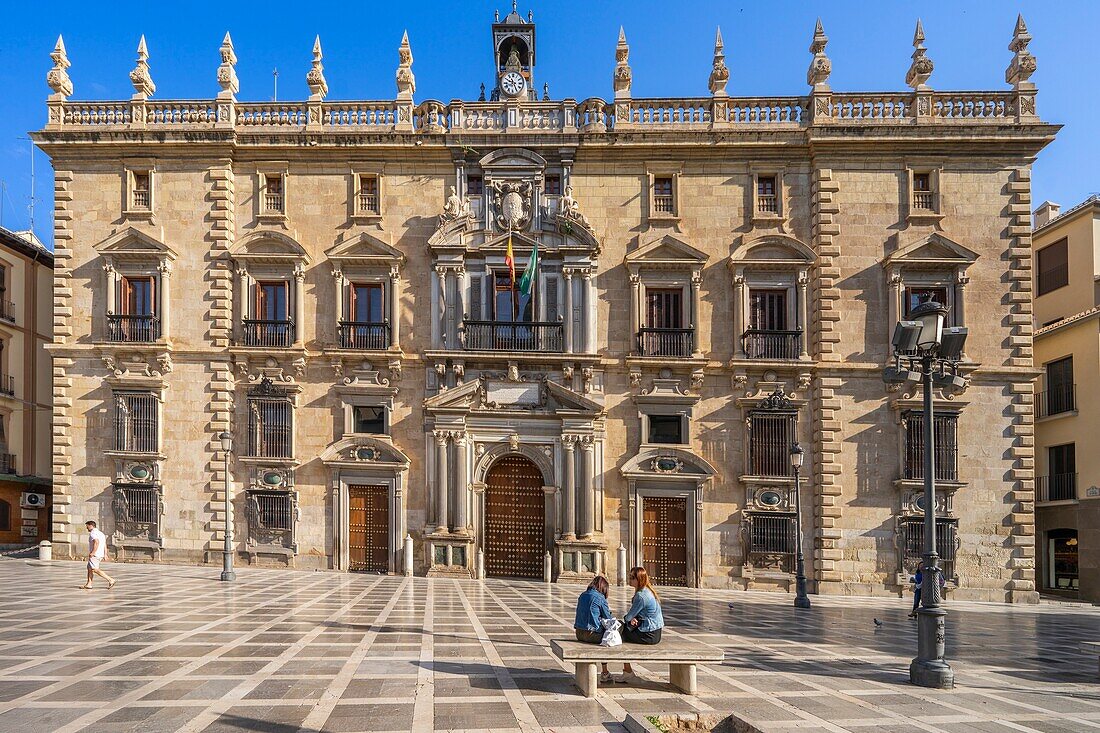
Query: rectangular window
{"x": 1061, "y": 481}
{"x": 768, "y": 310}
{"x": 367, "y": 303}
{"x": 509, "y": 304}
{"x": 368, "y": 194}
{"x": 664, "y": 307}
{"x": 767, "y": 202}
{"x": 7, "y": 307}
{"x": 137, "y": 296}
{"x": 368, "y": 419}
{"x": 918, "y": 295}
{"x": 136, "y": 422}
{"x": 666, "y": 429}
{"x": 922, "y": 191}
{"x": 273, "y": 193}
{"x": 270, "y": 428}
{"x": 945, "y": 430}
{"x": 475, "y": 185}
{"x": 663, "y": 201}
{"x": 552, "y": 185}
{"x": 770, "y": 438}
{"x": 1053, "y": 267}
{"x": 912, "y": 538}
{"x": 141, "y": 197}
{"x": 1059, "y": 394}
{"x": 772, "y": 534}
{"x": 142, "y": 502}
{"x": 271, "y": 300}
{"x": 271, "y": 510}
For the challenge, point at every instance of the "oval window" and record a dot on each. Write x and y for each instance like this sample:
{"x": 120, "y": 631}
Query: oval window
{"x": 771, "y": 498}
{"x": 273, "y": 478}
{"x": 139, "y": 472}
{"x": 666, "y": 464}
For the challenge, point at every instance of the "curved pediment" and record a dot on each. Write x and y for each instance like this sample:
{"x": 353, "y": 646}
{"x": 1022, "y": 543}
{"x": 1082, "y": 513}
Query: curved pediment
{"x": 512, "y": 158}
{"x": 131, "y": 243}
{"x": 269, "y": 245}
{"x": 668, "y": 463}
{"x": 668, "y": 252}
{"x": 773, "y": 249}
{"x": 365, "y": 249}
{"x": 365, "y": 451}
{"x": 933, "y": 250}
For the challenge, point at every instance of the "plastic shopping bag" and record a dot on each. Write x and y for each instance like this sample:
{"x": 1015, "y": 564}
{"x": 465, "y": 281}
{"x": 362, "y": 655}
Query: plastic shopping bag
{"x": 611, "y": 635}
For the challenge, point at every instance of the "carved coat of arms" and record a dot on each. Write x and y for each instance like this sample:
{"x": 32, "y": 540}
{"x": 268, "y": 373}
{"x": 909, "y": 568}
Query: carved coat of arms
{"x": 513, "y": 204}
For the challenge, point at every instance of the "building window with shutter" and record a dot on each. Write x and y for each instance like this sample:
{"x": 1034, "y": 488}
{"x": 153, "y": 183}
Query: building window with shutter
{"x": 664, "y": 196}
{"x": 1053, "y": 261}
{"x": 137, "y": 319}
{"x": 141, "y": 195}
{"x": 923, "y": 195}
{"x": 767, "y": 199}
{"x": 664, "y": 332}
{"x": 367, "y": 326}
{"x": 273, "y": 193}
{"x": 367, "y": 200}
{"x": 136, "y": 421}
{"x": 475, "y": 185}
{"x": 552, "y": 184}
{"x": 945, "y": 431}
{"x": 1060, "y": 483}
{"x": 1059, "y": 395}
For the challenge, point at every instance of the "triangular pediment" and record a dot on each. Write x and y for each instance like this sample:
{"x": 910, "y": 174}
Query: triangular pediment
{"x": 131, "y": 242}
{"x": 666, "y": 252}
{"x": 934, "y": 249}
{"x": 460, "y": 398}
{"x": 269, "y": 245}
{"x": 365, "y": 249}
{"x": 567, "y": 399}
{"x": 773, "y": 249}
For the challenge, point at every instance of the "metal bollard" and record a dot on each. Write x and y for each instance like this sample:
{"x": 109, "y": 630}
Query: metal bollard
{"x": 45, "y": 550}
{"x": 547, "y": 567}
{"x": 480, "y": 564}
{"x": 408, "y": 555}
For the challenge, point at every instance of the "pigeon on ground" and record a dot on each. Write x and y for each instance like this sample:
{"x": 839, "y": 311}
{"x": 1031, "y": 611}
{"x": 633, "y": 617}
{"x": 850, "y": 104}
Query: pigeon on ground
{"x": 877, "y": 622}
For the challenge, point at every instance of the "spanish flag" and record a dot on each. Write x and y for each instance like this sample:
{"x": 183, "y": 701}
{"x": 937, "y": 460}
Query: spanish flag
{"x": 510, "y": 260}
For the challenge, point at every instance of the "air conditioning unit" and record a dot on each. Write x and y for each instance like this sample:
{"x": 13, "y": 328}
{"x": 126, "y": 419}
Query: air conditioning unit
{"x": 30, "y": 500}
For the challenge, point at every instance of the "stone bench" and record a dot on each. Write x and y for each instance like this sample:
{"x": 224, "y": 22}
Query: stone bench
{"x": 680, "y": 654}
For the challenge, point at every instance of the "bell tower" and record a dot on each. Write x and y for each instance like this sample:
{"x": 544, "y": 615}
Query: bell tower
{"x": 514, "y": 56}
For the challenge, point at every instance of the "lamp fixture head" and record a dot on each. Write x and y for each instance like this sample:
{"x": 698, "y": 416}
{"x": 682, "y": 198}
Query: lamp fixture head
{"x": 796, "y": 455}
{"x": 227, "y": 441}
{"x": 930, "y": 315}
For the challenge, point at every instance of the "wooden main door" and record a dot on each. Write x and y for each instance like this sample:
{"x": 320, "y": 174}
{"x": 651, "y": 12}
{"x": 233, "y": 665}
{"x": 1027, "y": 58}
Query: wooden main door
{"x": 515, "y": 519}
{"x": 369, "y": 528}
{"x": 664, "y": 539}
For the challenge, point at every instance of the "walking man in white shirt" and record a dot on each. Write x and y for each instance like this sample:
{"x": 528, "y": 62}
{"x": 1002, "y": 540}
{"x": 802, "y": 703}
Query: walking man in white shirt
{"x": 97, "y": 550}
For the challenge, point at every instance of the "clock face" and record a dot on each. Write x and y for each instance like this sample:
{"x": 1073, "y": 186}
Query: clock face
{"x": 512, "y": 83}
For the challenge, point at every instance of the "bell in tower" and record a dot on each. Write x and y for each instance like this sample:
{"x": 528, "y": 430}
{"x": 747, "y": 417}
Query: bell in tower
{"x": 514, "y": 56}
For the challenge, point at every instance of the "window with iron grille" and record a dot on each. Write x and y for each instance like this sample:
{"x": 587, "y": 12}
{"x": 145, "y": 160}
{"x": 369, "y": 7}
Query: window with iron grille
{"x": 912, "y": 540}
{"x": 945, "y": 430}
{"x": 270, "y": 427}
{"x": 272, "y": 509}
{"x": 1053, "y": 267}
{"x": 772, "y": 533}
{"x": 141, "y": 502}
{"x": 136, "y": 417}
{"x": 770, "y": 438}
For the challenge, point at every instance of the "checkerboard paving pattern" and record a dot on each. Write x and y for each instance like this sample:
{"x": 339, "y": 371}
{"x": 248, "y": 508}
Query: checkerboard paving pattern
{"x": 172, "y": 648}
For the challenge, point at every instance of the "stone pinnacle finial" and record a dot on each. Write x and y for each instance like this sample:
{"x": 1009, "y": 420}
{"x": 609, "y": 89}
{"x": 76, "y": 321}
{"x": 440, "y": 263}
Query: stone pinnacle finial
{"x": 817, "y": 75}
{"x": 921, "y": 68}
{"x": 315, "y": 78}
{"x": 1023, "y": 64}
{"x": 227, "y": 74}
{"x": 58, "y": 78}
{"x": 406, "y": 82}
{"x": 139, "y": 77}
{"x": 719, "y": 74}
{"x": 623, "y": 75}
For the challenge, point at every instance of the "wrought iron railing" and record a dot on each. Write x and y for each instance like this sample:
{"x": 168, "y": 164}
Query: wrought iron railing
{"x": 133, "y": 329}
{"x": 513, "y": 336}
{"x": 7, "y": 463}
{"x": 1056, "y": 487}
{"x": 773, "y": 533}
{"x": 946, "y": 447}
{"x": 947, "y": 542}
{"x": 270, "y": 428}
{"x": 770, "y": 440}
{"x": 364, "y": 336}
{"x": 137, "y": 510}
{"x": 271, "y": 516}
{"x": 762, "y": 344}
{"x": 7, "y": 384}
{"x": 1056, "y": 400}
{"x": 256, "y": 332}
{"x": 7, "y": 311}
{"x": 677, "y": 342}
{"x": 136, "y": 418}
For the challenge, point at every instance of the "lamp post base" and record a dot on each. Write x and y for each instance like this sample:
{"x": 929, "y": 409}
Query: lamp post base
{"x": 933, "y": 673}
{"x": 929, "y": 668}
{"x": 801, "y": 602}
{"x": 228, "y": 575}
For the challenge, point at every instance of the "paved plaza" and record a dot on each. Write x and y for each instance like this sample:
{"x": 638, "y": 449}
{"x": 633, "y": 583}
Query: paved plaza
{"x": 173, "y": 649}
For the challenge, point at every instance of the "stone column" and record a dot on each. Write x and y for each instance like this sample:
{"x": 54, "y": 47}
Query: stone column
{"x": 395, "y": 309}
{"x": 112, "y": 297}
{"x": 568, "y": 488}
{"x": 740, "y": 312}
{"x": 696, "y": 279}
{"x": 165, "y": 308}
{"x": 589, "y": 311}
{"x": 462, "y": 484}
{"x": 635, "y": 313}
{"x": 587, "y": 473}
{"x": 803, "y": 314}
{"x": 338, "y": 282}
{"x": 299, "y": 304}
{"x": 240, "y": 295}
{"x": 961, "y": 281}
{"x": 440, "y": 480}
{"x": 895, "y": 306}
{"x": 567, "y": 279}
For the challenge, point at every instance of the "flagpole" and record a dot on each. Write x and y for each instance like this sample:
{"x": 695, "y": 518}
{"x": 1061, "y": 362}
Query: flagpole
{"x": 512, "y": 274}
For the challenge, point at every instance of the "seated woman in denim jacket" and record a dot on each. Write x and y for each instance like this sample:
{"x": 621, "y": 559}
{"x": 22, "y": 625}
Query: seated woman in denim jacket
{"x": 644, "y": 620}
{"x": 592, "y": 610}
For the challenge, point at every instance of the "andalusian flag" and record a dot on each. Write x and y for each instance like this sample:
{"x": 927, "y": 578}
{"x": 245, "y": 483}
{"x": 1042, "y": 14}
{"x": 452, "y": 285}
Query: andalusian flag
{"x": 527, "y": 280}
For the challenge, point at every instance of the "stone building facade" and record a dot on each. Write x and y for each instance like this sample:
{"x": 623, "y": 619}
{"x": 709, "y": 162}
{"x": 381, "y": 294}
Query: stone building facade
{"x": 715, "y": 279}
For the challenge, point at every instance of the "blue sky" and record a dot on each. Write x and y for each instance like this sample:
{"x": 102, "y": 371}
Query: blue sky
{"x": 671, "y": 47}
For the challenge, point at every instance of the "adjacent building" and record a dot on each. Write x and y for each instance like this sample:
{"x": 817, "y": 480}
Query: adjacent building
{"x": 26, "y": 325}
{"x": 1067, "y": 350}
{"x": 527, "y": 331}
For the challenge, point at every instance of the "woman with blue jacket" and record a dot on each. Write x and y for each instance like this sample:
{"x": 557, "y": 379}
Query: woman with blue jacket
{"x": 592, "y": 610}
{"x": 644, "y": 620}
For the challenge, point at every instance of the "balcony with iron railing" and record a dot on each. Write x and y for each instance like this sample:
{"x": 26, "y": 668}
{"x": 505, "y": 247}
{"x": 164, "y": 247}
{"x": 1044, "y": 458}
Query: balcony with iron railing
{"x": 363, "y": 336}
{"x": 7, "y": 311}
{"x": 7, "y": 385}
{"x": 1056, "y": 487}
{"x": 7, "y": 463}
{"x": 759, "y": 343}
{"x": 1057, "y": 400}
{"x": 133, "y": 329}
{"x": 674, "y": 342}
{"x": 269, "y": 333}
{"x": 528, "y": 336}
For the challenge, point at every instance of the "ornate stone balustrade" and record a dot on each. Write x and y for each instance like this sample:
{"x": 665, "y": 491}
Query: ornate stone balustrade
{"x": 590, "y": 116}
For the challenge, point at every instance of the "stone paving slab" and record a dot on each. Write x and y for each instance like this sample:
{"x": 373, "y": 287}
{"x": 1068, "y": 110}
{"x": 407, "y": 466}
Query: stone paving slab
{"x": 172, "y": 649}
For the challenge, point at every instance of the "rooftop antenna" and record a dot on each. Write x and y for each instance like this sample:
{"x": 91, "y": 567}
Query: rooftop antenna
{"x": 30, "y": 206}
{"x": 3, "y": 194}
{"x": 275, "y": 75}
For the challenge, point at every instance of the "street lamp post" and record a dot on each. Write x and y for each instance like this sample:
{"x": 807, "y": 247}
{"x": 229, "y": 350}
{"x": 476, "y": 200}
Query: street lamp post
{"x": 227, "y": 554}
{"x": 801, "y": 600}
{"x": 926, "y": 352}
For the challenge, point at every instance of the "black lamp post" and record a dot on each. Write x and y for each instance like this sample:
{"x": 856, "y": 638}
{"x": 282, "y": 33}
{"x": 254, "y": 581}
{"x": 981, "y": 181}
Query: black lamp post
{"x": 926, "y": 352}
{"x": 227, "y": 554}
{"x": 801, "y": 600}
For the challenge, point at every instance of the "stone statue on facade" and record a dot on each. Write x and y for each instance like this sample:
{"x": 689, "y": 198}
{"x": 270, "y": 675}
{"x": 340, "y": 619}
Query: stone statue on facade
{"x": 456, "y": 208}
{"x": 513, "y": 204}
{"x": 570, "y": 209}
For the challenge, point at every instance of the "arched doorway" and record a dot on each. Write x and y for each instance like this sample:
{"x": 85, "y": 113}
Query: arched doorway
{"x": 515, "y": 518}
